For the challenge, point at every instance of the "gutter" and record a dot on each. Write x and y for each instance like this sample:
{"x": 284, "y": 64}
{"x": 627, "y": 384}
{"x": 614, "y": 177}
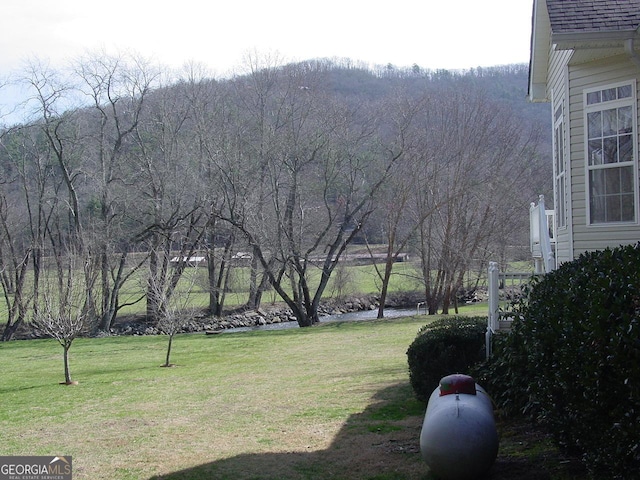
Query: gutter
{"x": 590, "y": 39}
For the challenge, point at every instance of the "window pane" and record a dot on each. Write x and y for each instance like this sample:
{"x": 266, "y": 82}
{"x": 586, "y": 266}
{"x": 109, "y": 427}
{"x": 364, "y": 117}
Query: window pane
{"x": 596, "y": 182}
{"x": 610, "y": 150}
{"x": 612, "y": 181}
{"x": 625, "y": 150}
{"x": 595, "y": 152}
{"x": 625, "y": 119}
{"x": 624, "y": 91}
{"x": 560, "y": 151}
{"x": 558, "y": 113}
{"x": 594, "y": 125}
{"x": 593, "y": 97}
{"x": 612, "y": 209}
{"x": 609, "y": 122}
{"x": 626, "y": 179}
{"x": 596, "y": 210}
{"x": 597, "y": 196}
{"x": 627, "y": 209}
{"x": 608, "y": 94}
{"x": 560, "y": 202}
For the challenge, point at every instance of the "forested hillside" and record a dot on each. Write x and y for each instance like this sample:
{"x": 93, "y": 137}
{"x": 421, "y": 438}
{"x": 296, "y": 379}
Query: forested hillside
{"x": 288, "y": 164}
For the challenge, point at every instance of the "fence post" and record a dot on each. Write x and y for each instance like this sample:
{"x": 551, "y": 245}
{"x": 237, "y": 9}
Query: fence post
{"x": 545, "y": 241}
{"x": 492, "y": 322}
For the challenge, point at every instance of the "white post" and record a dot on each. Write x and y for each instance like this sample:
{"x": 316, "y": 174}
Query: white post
{"x": 545, "y": 241}
{"x": 493, "y": 295}
{"x": 493, "y": 322}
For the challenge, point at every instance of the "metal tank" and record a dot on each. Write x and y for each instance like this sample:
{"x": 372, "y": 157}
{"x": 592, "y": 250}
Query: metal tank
{"x": 459, "y": 440}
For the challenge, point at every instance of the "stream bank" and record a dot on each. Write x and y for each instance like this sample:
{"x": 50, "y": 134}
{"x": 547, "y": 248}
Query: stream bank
{"x": 274, "y": 316}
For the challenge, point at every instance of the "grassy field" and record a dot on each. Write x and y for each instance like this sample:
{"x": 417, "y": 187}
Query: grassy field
{"x": 327, "y": 402}
{"x": 279, "y": 404}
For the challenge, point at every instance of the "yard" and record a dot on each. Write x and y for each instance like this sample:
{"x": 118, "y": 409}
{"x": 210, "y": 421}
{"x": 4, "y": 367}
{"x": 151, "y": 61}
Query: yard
{"x": 331, "y": 401}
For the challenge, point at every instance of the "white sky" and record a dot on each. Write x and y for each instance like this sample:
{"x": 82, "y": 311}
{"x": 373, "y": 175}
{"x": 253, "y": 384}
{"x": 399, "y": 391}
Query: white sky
{"x": 451, "y": 34}
{"x": 219, "y": 34}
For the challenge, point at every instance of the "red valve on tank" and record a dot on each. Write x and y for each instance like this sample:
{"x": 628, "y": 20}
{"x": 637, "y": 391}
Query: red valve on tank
{"x": 457, "y": 383}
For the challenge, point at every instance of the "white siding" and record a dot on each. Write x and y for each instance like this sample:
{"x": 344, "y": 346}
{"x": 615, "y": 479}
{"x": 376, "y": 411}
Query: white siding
{"x": 558, "y": 59}
{"x": 582, "y": 76}
{"x": 557, "y": 90}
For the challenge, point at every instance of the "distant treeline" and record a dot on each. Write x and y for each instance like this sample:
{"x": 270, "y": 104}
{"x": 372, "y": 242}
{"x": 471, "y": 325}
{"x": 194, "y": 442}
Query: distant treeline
{"x": 290, "y": 163}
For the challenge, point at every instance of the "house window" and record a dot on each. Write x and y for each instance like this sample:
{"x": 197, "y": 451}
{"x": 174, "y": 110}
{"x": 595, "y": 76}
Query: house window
{"x": 611, "y": 155}
{"x": 559, "y": 167}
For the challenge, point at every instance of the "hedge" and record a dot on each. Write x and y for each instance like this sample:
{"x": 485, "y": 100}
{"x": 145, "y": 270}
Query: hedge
{"x": 572, "y": 359}
{"x": 446, "y": 346}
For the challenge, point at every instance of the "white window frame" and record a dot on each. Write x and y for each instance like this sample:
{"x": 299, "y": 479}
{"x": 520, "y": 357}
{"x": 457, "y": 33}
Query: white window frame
{"x": 560, "y": 165}
{"x": 595, "y": 101}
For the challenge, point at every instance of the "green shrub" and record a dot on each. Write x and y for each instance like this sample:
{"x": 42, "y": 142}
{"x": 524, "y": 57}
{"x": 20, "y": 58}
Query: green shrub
{"x": 505, "y": 375}
{"x": 573, "y": 358}
{"x": 450, "y": 345}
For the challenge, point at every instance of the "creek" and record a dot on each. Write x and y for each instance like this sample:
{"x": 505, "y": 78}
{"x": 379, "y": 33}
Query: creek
{"x": 342, "y": 317}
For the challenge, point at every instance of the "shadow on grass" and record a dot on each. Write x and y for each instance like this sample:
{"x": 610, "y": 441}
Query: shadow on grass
{"x": 381, "y": 443}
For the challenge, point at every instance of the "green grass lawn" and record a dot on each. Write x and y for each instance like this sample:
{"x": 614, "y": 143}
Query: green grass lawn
{"x": 327, "y": 402}
{"x": 280, "y": 404}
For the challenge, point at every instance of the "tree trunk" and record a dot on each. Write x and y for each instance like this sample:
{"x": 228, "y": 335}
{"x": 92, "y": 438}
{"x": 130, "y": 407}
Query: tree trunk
{"x": 166, "y": 363}
{"x": 388, "y": 267}
{"x": 10, "y": 329}
{"x": 67, "y": 374}
{"x": 254, "y": 293}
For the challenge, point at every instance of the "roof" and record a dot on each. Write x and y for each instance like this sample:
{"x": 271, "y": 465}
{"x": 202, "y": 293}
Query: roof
{"x": 591, "y": 28}
{"x": 593, "y": 15}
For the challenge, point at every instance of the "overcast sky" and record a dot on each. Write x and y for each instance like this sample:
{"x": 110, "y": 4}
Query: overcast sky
{"x": 451, "y": 34}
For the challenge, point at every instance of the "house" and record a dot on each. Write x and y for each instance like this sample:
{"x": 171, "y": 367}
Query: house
{"x": 585, "y": 60}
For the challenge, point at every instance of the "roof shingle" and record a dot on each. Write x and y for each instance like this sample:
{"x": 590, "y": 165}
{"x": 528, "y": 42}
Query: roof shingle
{"x": 593, "y": 15}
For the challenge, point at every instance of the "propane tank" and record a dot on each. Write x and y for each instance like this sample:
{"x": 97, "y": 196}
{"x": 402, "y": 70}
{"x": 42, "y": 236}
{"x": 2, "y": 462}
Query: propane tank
{"x": 459, "y": 440}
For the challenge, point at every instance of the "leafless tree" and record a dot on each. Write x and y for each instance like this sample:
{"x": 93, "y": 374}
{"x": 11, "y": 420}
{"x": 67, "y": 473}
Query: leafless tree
{"x": 478, "y": 153}
{"x": 214, "y": 131}
{"x": 316, "y": 171}
{"x": 176, "y": 307}
{"x": 52, "y": 92}
{"x": 30, "y": 197}
{"x": 398, "y": 220}
{"x": 170, "y": 203}
{"x": 117, "y": 87}
{"x": 63, "y": 314}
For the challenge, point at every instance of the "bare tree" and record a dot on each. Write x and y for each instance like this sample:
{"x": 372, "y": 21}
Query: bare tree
{"x": 14, "y": 263}
{"x": 16, "y": 247}
{"x": 214, "y": 130}
{"x": 176, "y": 307}
{"x": 317, "y": 169}
{"x": 118, "y": 87}
{"x": 170, "y": 202}
{"x": 30, "y": 197}
{"x": 478, "y": 153}
{"x": 398, "y": 220}
{"x": 62, "y": 314}
{"x": 58, "y": 124}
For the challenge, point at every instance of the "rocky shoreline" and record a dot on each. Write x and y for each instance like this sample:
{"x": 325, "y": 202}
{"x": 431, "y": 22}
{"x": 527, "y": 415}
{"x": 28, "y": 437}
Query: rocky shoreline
{"x": 266, "y": 315}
